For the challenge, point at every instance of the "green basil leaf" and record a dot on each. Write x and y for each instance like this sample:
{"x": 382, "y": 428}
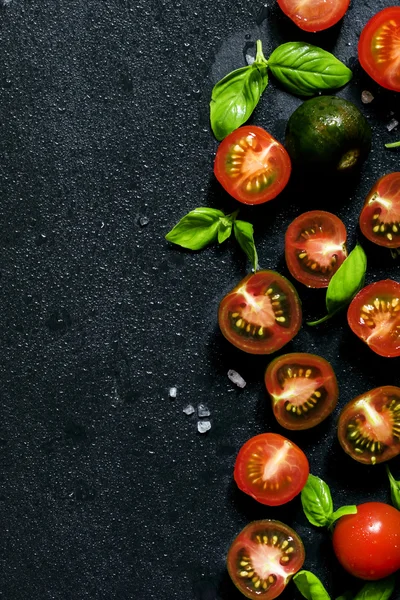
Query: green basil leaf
{"x": 305, "y": 70}
{"x": 394, "y": 489}
{"x": 224, "y": 230}
{"x": 317, "y": 501}
{"x": 393, "y": 145}
{"x": 377, "y": 590}
{"x": 342, "y": 511}
{"x": 234, "y": 98}
{"x": 244, "y": 234}
{"x": 197, "y": 229}
{"x": 310, "y": 586}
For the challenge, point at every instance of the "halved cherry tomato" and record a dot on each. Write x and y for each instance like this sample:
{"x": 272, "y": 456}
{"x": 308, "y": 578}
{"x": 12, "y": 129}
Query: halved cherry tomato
{"x": 261, "y": 314}
{"x": 369, "y": 426}
{"x": 251, "y": 165}
{"x": 374, "y": 316}
{"x": 303, "y": 389}
{"x": 380, "y": 216}
{"x": 315, "y": 247}
{"x": 379, "y": 48}
{"x": 271, "y": 469}
{"x": 263, "y": 558}
{"x": 314, "y": 15}
{"x": 367, "y": 544}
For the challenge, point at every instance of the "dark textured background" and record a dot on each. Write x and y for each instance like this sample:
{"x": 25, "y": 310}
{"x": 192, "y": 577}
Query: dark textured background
{"x": 107, "y": 490}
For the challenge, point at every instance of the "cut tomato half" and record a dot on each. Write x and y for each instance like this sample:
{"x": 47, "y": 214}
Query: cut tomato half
{"x": 263, "y": 558}
{"x": 315, "y": 247}
{"x": 369, "y": 425}
{"x": 314, "y": 15}
{"x": 261, "y": 314}
{"x": 380, "y": 216}
{"x": 379, "y": 48}
{"x": 251, "y": 165}
{"x": 271, "y": 469}
{"x": 303, "y": 389}
{"x": 374, "y": 316}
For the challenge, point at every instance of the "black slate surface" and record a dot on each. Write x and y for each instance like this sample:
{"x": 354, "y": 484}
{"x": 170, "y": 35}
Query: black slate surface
{"x": 107, "y": 490}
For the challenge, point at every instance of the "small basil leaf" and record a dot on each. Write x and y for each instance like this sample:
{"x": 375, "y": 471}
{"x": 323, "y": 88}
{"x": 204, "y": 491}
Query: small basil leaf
{"x": 224, "y": 230}
{"x": 342, "y": 511}
{"x": 394, "y": 489}
{"x": 196, "y": 229}
{"x": 310, "y": 586}
{"x": 305, "y": 70}
{"x": 393, "y": 145}
{"x": 244, "y": 234}
{"x": 377, "y": 590}
{"x": 317, "y": 501}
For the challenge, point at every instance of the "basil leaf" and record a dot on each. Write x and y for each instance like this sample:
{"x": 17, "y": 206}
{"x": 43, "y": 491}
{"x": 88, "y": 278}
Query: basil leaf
{"x": 394, "y": 489}
{"x": 317, "y": 501}
{"x": 244, "y": 235}
{"x": 310, "y": 586}
{"x": 234, "y": 98}
{"x": 342, "y": 511}
{"x": 377, "y": 590}
{"x": 196, "y": 229}
{"x": 305, "y": 70}
{"x": 224, "y": 230}
{"x": 393, "y": 145}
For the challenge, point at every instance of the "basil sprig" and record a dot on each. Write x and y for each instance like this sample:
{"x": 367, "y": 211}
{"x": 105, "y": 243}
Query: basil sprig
{"x": 377, "y": 590}
{"x": 393, "y": 145}
{"x": 312, "y": 588}
{"x": 317, "y": 503}
{"x": 203, "y": 226}
{"x": 394, "y": 489}
{"x": 345, "y": 283}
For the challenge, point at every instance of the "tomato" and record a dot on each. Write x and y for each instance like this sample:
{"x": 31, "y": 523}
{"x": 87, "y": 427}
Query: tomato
{"x": 379, "y": 48}
{"x": 374, "y": 316}
{"x": 369, "y": 425}
{"x": 261, "y": 314}
{"x": 314, "y": 15}
{"x": 271, "y": 469}
{"x": 264, "y": 557}
{"x": 303, "y": 389}
{"x": 315, "y": 247}
{"x": 251, "y": 165}
{"x": 367, "y": 544}
{"x": 380, "y": 216}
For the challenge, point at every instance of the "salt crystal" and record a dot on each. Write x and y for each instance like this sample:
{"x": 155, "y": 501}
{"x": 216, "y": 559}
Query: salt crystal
{"x": 392, "y": 125}
{"x": 249, "y": 59}
{"x": 203, "y": 411}
{"x": 203, "y": 426}
{"x": 189, "y": 409}
{"x": 173, "y": 392}
{"x": 236, "y": 378}
{"x": 143, "y": 221}
{"x": 366, "y": 97}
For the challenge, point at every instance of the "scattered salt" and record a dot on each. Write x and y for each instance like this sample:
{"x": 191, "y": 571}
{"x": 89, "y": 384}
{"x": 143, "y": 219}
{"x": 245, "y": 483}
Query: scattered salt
{"x": 173, "y": 392}
{"x": 236, "y": 378}
{"x": 203, "y": 411}
{"x": 249, "y": 59}
{"x": 392, "y": 125}
{"x": 203, "y": 426}
{"x": 189, "y": 409}
{"x": 366, "y": 97}
{"x": 143, "y": 221}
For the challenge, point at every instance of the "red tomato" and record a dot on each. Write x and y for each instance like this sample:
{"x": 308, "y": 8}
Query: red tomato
{"x": 367, "y": 544}
{"x": 315, "y": 247}
{"x": 314, "y": 15}
{"x": 271, "y": 469}
{"x": 261, "y": 314}
{"x": 303, "y": 389}
{"x": 374, "y": 315}
{"x": 380, "y": 216}
{"x": 263, "y": 558}
{"x": 251, "y": 165}
{"x": 369, "y": 425}
{"x": 379, "y": 48}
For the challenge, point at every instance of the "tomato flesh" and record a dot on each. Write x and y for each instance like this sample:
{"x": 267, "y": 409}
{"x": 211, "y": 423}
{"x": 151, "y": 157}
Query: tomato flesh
{"x": 271, "y": 469}
{"x": 314, "y": 15}
{"x": 303, "y": 389}
{"x": 261, "y": 314}
{"x": 369, "y": 425}
{"x": 251, "y": 165}
{"x": 380, "y": 216}
{"x": 374, "y": 316}
{"x": 315, "y": 247}
{"x": 379, "y": 48}
{"x": 263, "y": 558}
{"x": 367, "y": 544}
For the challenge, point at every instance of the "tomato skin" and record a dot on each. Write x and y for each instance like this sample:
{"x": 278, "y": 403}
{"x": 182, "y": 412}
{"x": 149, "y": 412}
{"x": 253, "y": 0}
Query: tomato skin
{"x": 382, "y": 208}
{"x": 251, "y": 165}
{"x": 265, "y": 549}
{"x": 303, "y": 381}
{"x": 379, "y": 48}
{"x": 378, "y": 328}
{"x": 314, "y": 15}
{"x": 243, "y": 307}
{"x": 367, "y": 544}
{"x": 316, "y": 238}
{"x": 271, "y": 469}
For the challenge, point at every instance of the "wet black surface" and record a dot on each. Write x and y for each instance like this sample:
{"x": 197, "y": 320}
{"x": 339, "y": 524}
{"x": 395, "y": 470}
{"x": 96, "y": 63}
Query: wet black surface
{"x": 107, "y": 490}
